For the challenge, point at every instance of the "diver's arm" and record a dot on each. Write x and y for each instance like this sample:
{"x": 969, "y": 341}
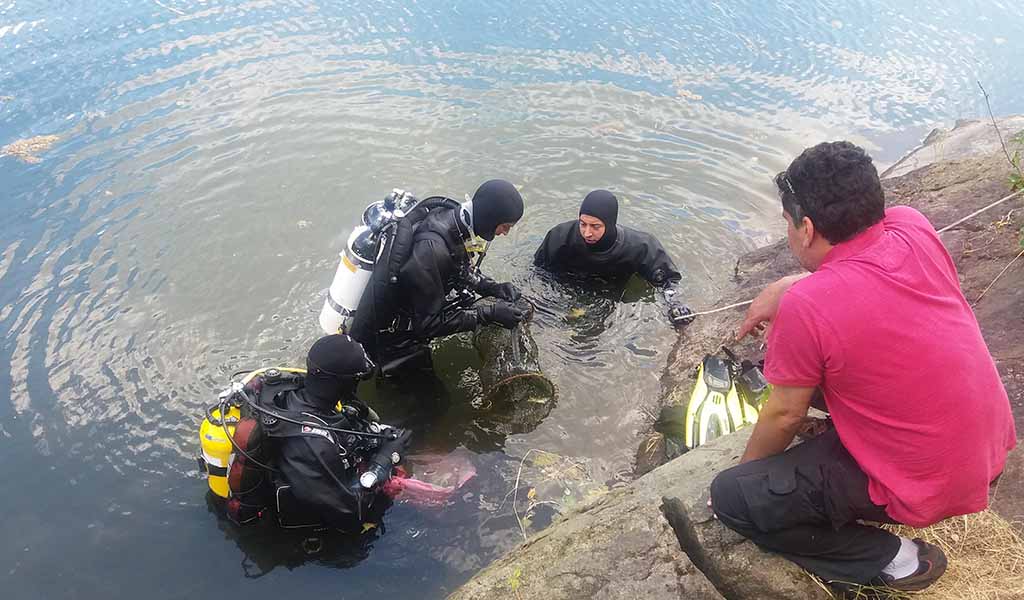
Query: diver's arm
{"x": 557, "y": 238}
{"x": 778, "y": 422}
{"x": 489, "y": 288}
{"x": 542, "y": 257}
{"x": 424, "y": 283}
{"x": 655, "y": 265}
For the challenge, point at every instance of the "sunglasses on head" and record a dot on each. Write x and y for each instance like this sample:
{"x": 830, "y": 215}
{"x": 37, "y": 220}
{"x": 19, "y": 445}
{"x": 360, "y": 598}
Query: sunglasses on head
{"x": 783, "y": 182}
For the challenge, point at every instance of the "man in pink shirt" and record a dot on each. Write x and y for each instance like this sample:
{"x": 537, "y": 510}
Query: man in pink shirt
{"x": 921, "y": 423}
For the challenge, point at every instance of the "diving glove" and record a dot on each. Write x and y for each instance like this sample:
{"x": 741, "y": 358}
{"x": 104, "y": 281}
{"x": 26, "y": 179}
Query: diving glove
{"x": 680, "y": 315}
{"x": 500, "y": 313}
{"x": 489, "y": 288}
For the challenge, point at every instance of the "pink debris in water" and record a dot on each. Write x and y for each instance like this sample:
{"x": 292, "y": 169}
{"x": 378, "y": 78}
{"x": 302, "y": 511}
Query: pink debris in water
{"x": 457, "y": 470}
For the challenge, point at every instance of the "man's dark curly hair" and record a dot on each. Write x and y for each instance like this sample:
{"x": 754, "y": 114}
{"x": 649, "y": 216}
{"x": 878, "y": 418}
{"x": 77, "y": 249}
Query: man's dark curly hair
{"x": 836, "y": 186}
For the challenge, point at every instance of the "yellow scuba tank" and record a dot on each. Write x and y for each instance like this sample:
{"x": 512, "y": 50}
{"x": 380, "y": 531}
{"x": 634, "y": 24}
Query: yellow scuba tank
{"x": 216, "y": 446}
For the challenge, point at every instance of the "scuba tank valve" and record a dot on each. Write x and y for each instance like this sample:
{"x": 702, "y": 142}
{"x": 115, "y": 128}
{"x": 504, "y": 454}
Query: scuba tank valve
{"x": 214, "y": 443}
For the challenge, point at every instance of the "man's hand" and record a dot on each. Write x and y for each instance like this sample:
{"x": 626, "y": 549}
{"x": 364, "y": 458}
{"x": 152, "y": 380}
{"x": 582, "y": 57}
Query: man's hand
{"x": 680, "y": 314}
{"x": 500, "y": 313}
{"x": 489, "y": 288}
{"x": 764, "y": 307}
{"x": 507, "y": 291}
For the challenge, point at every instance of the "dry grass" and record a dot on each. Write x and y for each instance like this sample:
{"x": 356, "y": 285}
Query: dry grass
{"x": 986, "y": 560}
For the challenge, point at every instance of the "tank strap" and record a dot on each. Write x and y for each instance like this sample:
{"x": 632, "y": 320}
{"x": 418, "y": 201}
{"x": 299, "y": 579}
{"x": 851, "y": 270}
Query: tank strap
{"x": 403, "y": 237}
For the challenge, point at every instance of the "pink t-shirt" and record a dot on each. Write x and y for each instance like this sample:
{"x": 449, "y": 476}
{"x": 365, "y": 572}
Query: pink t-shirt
{"x": 884, "y": 329}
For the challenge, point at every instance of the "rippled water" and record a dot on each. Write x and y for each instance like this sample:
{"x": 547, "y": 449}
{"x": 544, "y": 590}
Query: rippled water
{"x": 213, "y": 155}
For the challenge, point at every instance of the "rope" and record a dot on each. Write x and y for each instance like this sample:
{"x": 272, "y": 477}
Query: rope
{"x": 721, "y": 308}
{"x": 943, "y": 230}
{"x": 980, "y": 210}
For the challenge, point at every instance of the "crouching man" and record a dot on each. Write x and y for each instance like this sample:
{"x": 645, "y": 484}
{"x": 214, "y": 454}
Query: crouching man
{"x": 922, "y": 422}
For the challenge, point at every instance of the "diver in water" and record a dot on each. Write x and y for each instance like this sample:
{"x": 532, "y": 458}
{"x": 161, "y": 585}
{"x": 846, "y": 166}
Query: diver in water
{"x": 322, "y": 466}
{"x": 595, "y": 244}
{"x": 431, "y": 294}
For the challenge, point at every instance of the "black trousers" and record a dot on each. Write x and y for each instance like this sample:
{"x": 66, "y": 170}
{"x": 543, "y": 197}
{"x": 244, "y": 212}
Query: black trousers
{"x": 804, "y": 504}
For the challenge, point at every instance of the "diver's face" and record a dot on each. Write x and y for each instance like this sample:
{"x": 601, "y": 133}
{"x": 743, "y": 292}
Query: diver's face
{"x": 503, "y": 229}
{"x": 591, "y": 229}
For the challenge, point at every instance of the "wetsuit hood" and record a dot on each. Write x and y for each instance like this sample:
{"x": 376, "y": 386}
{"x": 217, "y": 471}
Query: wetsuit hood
{"x": 495, "y": 202}
{"x": 603, "y": 205}
{"x": 334, "y": 366}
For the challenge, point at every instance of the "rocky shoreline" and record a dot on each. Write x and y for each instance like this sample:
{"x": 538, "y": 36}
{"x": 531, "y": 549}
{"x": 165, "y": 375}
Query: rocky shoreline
{"x": 655, "y": 538}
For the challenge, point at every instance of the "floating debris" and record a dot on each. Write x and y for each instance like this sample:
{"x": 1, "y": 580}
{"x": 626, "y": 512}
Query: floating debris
{"x": 608, "y": 128}
{"x": 688, "y": 95}
{"x": 26, "y": 150}
{"x": 6, "y": 98}
{"x": 576, "y": 313}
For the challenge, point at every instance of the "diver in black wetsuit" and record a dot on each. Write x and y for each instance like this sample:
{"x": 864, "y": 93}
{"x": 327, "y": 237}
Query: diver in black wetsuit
{"x": 322, "y": 466}
{"x": 596, "y": 244}
{"x": 433, "y": 289}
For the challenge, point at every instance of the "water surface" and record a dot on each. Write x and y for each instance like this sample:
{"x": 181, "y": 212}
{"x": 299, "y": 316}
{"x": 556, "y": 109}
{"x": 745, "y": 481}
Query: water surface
{"x": 214, "y": 155}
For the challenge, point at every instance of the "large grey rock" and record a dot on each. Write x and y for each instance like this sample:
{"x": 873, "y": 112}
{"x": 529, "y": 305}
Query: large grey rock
{"x": 619, "y": 546}
{"x": 967, "y": 139}
{"x": 653, "y": 539}
{"x": 734, "y": 565}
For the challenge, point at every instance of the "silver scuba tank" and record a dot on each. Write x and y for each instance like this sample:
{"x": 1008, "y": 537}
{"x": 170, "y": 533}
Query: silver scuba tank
{"x": 358, "y": 260}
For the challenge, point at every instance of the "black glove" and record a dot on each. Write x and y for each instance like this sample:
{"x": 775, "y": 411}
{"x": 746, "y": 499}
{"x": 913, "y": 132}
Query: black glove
{"x": 489, "y": 288}
{"x": 680, "y": 314}
{"x": 500, "y": 313}
{"x": 507, "y": 291}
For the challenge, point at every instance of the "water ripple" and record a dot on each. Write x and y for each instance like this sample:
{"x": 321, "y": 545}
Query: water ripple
{"x": 214, "y": 155}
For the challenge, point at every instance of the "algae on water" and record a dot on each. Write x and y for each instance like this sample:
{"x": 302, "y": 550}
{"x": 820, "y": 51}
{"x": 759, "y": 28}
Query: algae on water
{"x": 28, "y": 149}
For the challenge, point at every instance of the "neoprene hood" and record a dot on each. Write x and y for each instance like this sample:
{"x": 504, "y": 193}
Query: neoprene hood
{"x": 603, "y": 205}
{"x": 495, "y": 202}
{"x": 334, "y": 366}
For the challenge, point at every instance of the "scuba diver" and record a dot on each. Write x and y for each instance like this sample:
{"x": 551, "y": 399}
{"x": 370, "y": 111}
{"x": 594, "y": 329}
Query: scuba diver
{"x": 428, "y": 283}
{"x": 595, "y": 244}
{"x": 299, "y": 443}
{"x": 320, "y": 465}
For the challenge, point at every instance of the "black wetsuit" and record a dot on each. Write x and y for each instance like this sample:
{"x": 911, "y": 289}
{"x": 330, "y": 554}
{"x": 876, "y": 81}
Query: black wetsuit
{"x": 564, "y": 251}
{"x": 406, "y": 315}
{"x": 322, "y": 478}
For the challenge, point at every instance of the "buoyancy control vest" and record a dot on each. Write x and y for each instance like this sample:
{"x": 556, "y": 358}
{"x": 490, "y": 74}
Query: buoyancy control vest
{"x": 373, "y": 256}
{"x": 238, "y": 452}
{"x": 380, "y": 307}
